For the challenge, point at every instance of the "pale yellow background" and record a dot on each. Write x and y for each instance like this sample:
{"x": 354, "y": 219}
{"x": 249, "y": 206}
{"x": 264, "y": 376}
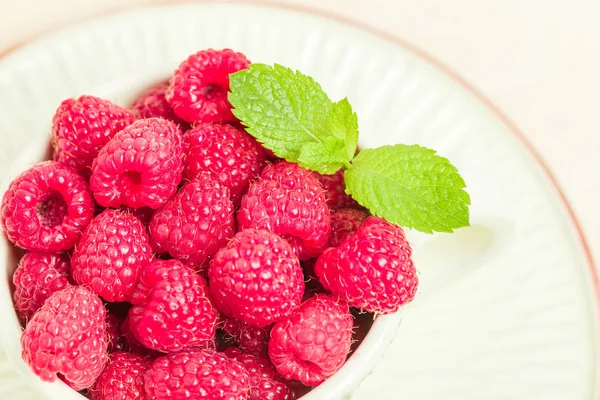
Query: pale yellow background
{"x": 538, "y": 60}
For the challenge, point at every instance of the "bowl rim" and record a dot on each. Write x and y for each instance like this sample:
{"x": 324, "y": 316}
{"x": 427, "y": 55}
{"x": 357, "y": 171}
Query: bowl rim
{"x": 391, "y": 321}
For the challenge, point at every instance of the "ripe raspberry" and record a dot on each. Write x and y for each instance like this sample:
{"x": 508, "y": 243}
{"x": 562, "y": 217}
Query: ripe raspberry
{"x": 249, "y": 338}
{"x": 67, "y": 336}
{"x": 171, "y": 309}
{"x": 372, "y": 269}
{"x": 196, "y": 375}
{"x": 229, "y": 155}
{"x": 335, "y": 191}
{"x": 81, "y": 127}
{"x": 140, "y": 166}
{"x": 152, "y": 103}
{"x": 199, "y": 87}
{"x": 312, "y": 343}
{"x": 265, "y": 382}
{"x": 116, "y": 342}
{"x": 288, "y": 201}
{"x": 37, "y": 277}
{"x": 46, "y": 208}
{"x": 122, "y": 378}
{"x": 256, "y": 278}
{"x": 195, "y": 223}
{"x": 110, "y": 255}
{"x": 344, "y": 223}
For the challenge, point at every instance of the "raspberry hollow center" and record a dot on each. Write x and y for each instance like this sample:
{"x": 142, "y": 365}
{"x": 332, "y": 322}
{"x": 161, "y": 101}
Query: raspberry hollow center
{"x": 130, "y": 181}
{"x": 51, "y": 209}
{"x": 213, "y": 92}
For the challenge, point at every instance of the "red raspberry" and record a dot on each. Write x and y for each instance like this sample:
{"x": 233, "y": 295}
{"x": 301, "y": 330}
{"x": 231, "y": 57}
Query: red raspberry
{"x": 199, "y": 88}
{"x": 46, "y": 207}
{"x": 265, "y": 382}
{"x": 81, "y": 127}
{"x": 195, "y": 223}
{"x": 140, "y": 166}
{"x": 344, "y": 223}
{"x": 122, "y": 378}
{"x": 313, "y": 342}
{"x": 152, "y": 103}
{"x": 110, "y": 255}
{"x": 256, "y": 278}
{"x": 171, "y": 309}
{"x": 335, "y": 191}
{"x": 229, "y": 155}
{"x": 249, "y": 338}
{"x": 116, "y": 342}
{"x": 197, "y": 375}
{"x": 372, "y": 269}
{"x": 37, "y": 277}
{"x": 288, "y": 201}
{"x": 67, "y": 336}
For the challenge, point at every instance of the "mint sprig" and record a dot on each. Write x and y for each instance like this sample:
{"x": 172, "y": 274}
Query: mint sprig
{"x": 292, "y": 116}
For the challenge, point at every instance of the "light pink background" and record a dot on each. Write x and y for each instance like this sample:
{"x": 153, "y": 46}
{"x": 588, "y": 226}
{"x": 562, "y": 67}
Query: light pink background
{"x": 538, "y": 60}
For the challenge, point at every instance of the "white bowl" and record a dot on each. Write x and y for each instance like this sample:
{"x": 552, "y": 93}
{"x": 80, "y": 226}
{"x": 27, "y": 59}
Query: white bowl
{"x": 114, "y": 58}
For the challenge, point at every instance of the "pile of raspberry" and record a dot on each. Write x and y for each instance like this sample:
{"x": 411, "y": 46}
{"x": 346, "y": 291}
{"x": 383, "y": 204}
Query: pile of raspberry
{"x": 170, "y": 256}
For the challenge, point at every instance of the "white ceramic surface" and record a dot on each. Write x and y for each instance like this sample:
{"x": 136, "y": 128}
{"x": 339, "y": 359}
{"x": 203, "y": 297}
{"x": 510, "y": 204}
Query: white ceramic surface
{"x": 506, "y": 308}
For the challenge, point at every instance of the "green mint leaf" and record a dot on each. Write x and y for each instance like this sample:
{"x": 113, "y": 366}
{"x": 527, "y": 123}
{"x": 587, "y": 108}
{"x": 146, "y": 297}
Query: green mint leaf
{"x": 325, "y": 158}
{"x": 410, "y": 186}
{"x": 291, "y": 115}
{"x": 342, "y": 123}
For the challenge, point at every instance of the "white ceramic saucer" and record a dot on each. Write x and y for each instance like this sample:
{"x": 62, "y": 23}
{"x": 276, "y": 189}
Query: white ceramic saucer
{"x": 508, "y": 307}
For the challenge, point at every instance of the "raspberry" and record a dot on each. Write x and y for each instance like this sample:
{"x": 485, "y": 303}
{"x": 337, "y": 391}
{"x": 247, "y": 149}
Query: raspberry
{"x": 371, "y": 269}
{"x": 335, "y": 191}
{"x": 312, "y": 343}
{"x": 344, "y": 223}
{"x": 256, "y": 278}
{"x": 199, "y": 87}
{"x": 37, "y": 277}
{"x": 229, "y": 155}
{"x": 171, "y": 309}
{"x": 196, "y": 375}
{"x": 152, "y": 103}
{"x": 46, "y": 208}
{"x": 67, "y": 336}
{"x": 195, "y": 223}
{"x": 115, "y": 341}
{"x": 122, "y": 378}
{"x": 265, "y": 382}
{"x": 81, "y": 127}
{"x": 140, "y": 166}
{"x": 110, "y": 255}
{"x": 249, "y": 338}
{"x": 288, "y": 201}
